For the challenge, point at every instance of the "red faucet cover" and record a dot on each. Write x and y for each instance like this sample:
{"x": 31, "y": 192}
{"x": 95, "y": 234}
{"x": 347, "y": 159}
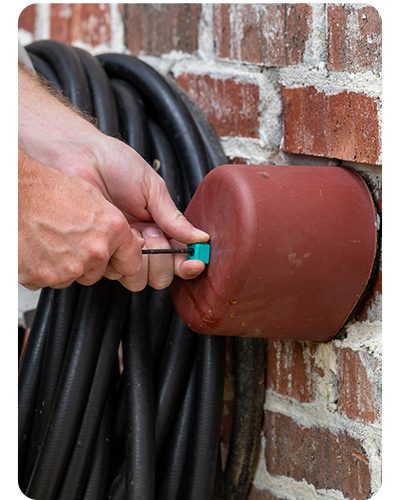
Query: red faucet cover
{"x": 292, "y": 250}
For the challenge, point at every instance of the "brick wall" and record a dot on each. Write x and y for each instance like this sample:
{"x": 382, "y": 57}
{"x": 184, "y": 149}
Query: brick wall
{"x": 281, "y": 84}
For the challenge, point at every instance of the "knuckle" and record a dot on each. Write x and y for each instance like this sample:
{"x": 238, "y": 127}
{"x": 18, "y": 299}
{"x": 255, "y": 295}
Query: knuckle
{"x": 101, "y": 252}
{"x": 162, "y": 283}
{"x": 74, "y": 270}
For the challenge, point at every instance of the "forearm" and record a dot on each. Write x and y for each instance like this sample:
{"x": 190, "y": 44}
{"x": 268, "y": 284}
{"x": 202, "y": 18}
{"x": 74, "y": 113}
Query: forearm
{"x": 50, "y": 131}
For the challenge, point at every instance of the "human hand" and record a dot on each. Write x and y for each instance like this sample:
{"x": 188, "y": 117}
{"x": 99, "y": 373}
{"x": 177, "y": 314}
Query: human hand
{"x": 128, "y": 182}
{"x": 56, "y": 136}
{"x": 67, "y": 231}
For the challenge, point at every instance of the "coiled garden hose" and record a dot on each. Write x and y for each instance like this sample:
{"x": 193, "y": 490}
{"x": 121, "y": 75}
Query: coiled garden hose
{"x": 88, "y": 431}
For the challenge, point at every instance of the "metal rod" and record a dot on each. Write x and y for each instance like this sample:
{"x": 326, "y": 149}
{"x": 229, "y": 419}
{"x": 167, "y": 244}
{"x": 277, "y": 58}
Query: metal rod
{"x": 168, "y": 250}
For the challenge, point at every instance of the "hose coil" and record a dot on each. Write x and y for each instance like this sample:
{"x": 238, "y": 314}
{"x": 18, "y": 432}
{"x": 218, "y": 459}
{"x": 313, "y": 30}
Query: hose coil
{"x": 86, "y": 429}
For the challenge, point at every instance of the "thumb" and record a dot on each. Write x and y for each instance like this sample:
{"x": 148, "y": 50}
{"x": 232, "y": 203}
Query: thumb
{"x": 171, "y": 221}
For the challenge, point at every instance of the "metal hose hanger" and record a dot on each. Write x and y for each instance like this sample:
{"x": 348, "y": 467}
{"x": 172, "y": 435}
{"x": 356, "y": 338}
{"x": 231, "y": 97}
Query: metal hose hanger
{"x": 87, "y": 431}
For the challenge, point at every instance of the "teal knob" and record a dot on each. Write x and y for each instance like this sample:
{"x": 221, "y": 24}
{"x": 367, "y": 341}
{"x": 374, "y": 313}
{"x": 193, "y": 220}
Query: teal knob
{"x": 201, "y": 252}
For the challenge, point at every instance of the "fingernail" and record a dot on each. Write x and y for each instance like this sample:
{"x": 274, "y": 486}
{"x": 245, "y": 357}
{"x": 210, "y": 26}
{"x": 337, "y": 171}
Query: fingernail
{"x": 199, "y": 231}
{"x": 153, "y": 231}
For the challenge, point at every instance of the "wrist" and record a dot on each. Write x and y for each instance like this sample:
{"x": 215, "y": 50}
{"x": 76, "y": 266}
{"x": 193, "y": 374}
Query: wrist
{"x": 50, "y": 131}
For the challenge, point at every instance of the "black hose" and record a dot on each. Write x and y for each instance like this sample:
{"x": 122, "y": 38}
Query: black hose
{"x": 202, "y": 463}
{"x": 43, "y": 68}
{"x": 63, "y": 312}
{"x": 102, "y": 97}
{"x": 173, "y": 375}
{"x": 168, "y": 403}
{"x": 139, "y": 400}
{"x": 165, "y": 163}
{"x": 73, "y": 388}
{"x": 171, "y": 114}
{"x": 79, "y": 462}
{"x": 172, "y": 459}
{"x": 245, "y": 438}
{"x": 97, "y": 483}
{"x": 29, "y": 372}
{"x": 68, "y": 69}
{"x": 133, "y": 122}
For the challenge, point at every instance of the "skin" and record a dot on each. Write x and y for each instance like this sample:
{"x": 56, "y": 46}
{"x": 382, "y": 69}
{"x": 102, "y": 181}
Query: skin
{"x": 88, "y": 203}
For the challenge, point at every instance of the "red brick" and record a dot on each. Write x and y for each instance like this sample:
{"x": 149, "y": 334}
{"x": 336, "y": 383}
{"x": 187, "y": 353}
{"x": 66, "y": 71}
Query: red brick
{"x": 291, "y": 370}
{"x": 231, "y": 106}
{"x": 87, "y": 22}
{"x": 354, "y": 38}
{"x": 321, "y": 458}
{"x": 356, "y": 391}
{"x": 157, "y": 29}
{"x": 274, "y": 34}
{"x": 343, "y": 125}
{"x": 27, "y": 19}
{"x": 255, "y": 494}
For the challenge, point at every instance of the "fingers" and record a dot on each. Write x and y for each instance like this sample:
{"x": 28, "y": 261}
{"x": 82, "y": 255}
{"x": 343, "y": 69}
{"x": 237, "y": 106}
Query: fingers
{"x": 188, "y": 269}
{"x": 158, "y": 271}
{"x": 170, "y": 219}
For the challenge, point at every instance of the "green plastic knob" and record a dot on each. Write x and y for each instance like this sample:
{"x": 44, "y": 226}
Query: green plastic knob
{"x": 201, "y": 252}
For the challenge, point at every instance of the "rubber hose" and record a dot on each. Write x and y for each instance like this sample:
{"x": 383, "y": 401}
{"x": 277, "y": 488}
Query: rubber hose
{"x": 164, "y": 159}
{"x": 131, "y": 116}
{"x": 247, "y": 417}
{"x": 69, "y": 70}
{"x": 139, "y": 400}
{"x": 172, "y": 460}
{"x": 44, "y": 69}
{"x": 158, "y": 324}
{"x": 173, "y": 375}
{"x": 73, "y": 388}
{"x": 118, "y": 443}
{"x": 173, "y": 116}
{"x": 205, "y": 438}
{"x": 64, "y": 304}
{"x": 29, "y": 374}
{"x": 118, "y": 487}
{"x": 97, "y": 483}
{"x": 104, "y": 108}
{"x": 79, "y": 463}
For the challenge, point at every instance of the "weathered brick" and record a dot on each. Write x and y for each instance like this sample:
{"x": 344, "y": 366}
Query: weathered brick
{"x": 343, "y": 125}
{"x": 354, "y": 38}
{"x": 272, "y": 34}
{"x": 255, "y": 494}
{"x": 27, "y": 19}
{"x": 157, "y": 29}
{"x": 86, "y": 22}
{"x": 321, "y": 458}
{"x": 291, "y": 369}
{"x": 356, "y": 390}
{"x": 231, "y": 106}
